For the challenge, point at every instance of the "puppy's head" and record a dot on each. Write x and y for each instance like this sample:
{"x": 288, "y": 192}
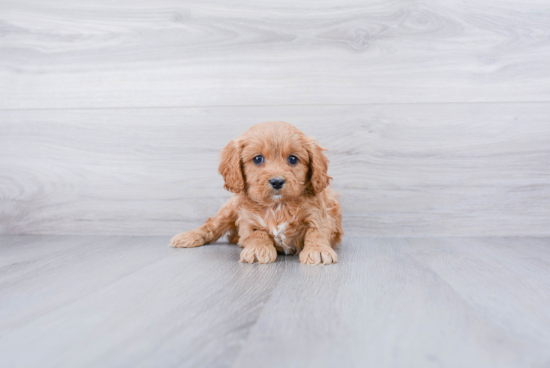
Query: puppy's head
{"x": 274, "y": 162}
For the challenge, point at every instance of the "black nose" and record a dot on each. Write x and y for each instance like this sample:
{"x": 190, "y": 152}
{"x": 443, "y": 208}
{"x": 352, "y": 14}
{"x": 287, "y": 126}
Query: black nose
{"x": 277, "y": 183}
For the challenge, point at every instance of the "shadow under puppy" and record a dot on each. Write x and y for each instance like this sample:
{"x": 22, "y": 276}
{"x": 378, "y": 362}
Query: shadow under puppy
{"x": 282, "y": 202}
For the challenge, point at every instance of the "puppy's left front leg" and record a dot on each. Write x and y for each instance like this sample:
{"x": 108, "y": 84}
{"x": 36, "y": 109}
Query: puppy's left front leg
{"x": 258, "y": 247}
{"x": 317, "y": 249}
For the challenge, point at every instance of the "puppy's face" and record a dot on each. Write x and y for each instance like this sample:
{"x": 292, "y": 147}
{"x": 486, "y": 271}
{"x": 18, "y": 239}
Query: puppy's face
{"x": 274, "y": 162}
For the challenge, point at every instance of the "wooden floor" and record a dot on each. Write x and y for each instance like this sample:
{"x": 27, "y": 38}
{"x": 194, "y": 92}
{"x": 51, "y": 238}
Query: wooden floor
{"x": 120, "y": 301}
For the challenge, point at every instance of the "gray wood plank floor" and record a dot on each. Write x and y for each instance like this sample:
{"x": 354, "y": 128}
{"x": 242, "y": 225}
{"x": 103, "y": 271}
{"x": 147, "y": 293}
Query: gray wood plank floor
{"x": 90, "y": 301}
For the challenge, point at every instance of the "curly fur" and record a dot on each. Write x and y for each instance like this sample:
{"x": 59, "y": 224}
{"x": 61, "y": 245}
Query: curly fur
{"x": 303, "y": 217}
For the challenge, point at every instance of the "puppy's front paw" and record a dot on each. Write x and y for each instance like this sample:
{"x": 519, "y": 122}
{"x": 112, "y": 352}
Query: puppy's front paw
{"x": 318, "y": 255}
{"x": 189, "y": 239}
{"x": 260, "y": 253}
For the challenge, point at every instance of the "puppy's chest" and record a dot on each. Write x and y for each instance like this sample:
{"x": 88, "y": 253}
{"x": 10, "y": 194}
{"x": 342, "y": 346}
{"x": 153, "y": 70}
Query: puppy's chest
{"x": 283, "y": 227}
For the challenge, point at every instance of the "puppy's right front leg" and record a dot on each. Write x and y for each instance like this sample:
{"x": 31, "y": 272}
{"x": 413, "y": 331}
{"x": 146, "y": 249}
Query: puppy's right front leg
{"x": 258, "y": 247}
{"x": 189, "y": 239}
{"x": 215, "y": 227}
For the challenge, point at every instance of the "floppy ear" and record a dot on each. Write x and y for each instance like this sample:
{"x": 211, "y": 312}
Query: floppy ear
{"x": 318, "y": 166}
{"x": 230, "y": 167}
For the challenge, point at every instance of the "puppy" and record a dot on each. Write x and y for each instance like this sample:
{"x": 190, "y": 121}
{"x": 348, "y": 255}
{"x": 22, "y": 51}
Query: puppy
{"x": 282, "y": 203}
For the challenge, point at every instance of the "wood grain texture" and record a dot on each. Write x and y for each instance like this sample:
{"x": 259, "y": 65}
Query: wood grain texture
{"x": 415, "y": 302}
{"x": 404, "y": 169}
{"x": 93, "y": 54}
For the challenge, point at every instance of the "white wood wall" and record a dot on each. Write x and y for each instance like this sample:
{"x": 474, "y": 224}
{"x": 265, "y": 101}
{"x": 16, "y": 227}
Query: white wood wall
{"x": 436, "y": 114}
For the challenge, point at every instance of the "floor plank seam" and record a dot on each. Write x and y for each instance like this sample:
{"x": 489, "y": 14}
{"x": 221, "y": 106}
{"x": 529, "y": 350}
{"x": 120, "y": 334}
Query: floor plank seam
{"x": 87, "y": 294}
{"x": 271, "y": 105}
{"x": 270, "y": 295}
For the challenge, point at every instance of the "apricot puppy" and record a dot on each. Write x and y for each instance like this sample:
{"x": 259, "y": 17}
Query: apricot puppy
{"x": 282, "y": 203}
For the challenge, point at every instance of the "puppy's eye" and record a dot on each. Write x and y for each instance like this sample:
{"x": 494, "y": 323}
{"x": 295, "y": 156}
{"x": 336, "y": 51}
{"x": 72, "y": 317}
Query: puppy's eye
{"x": 293, "y": 160}
{"x": 258, "y": 160}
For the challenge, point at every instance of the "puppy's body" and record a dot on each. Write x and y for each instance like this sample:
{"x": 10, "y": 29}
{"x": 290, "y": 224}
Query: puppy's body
{"x": 281, "y": 202}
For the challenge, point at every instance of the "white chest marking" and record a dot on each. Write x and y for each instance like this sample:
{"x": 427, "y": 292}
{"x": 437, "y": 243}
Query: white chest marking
{"x": 261, "y": 220}
{"x": 278, "y": 231}
{"x": 279, "y": 236}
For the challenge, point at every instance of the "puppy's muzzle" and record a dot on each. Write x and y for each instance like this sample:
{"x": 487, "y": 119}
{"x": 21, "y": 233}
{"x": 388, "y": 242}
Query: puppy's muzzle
{"x": 277, "y": 183}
